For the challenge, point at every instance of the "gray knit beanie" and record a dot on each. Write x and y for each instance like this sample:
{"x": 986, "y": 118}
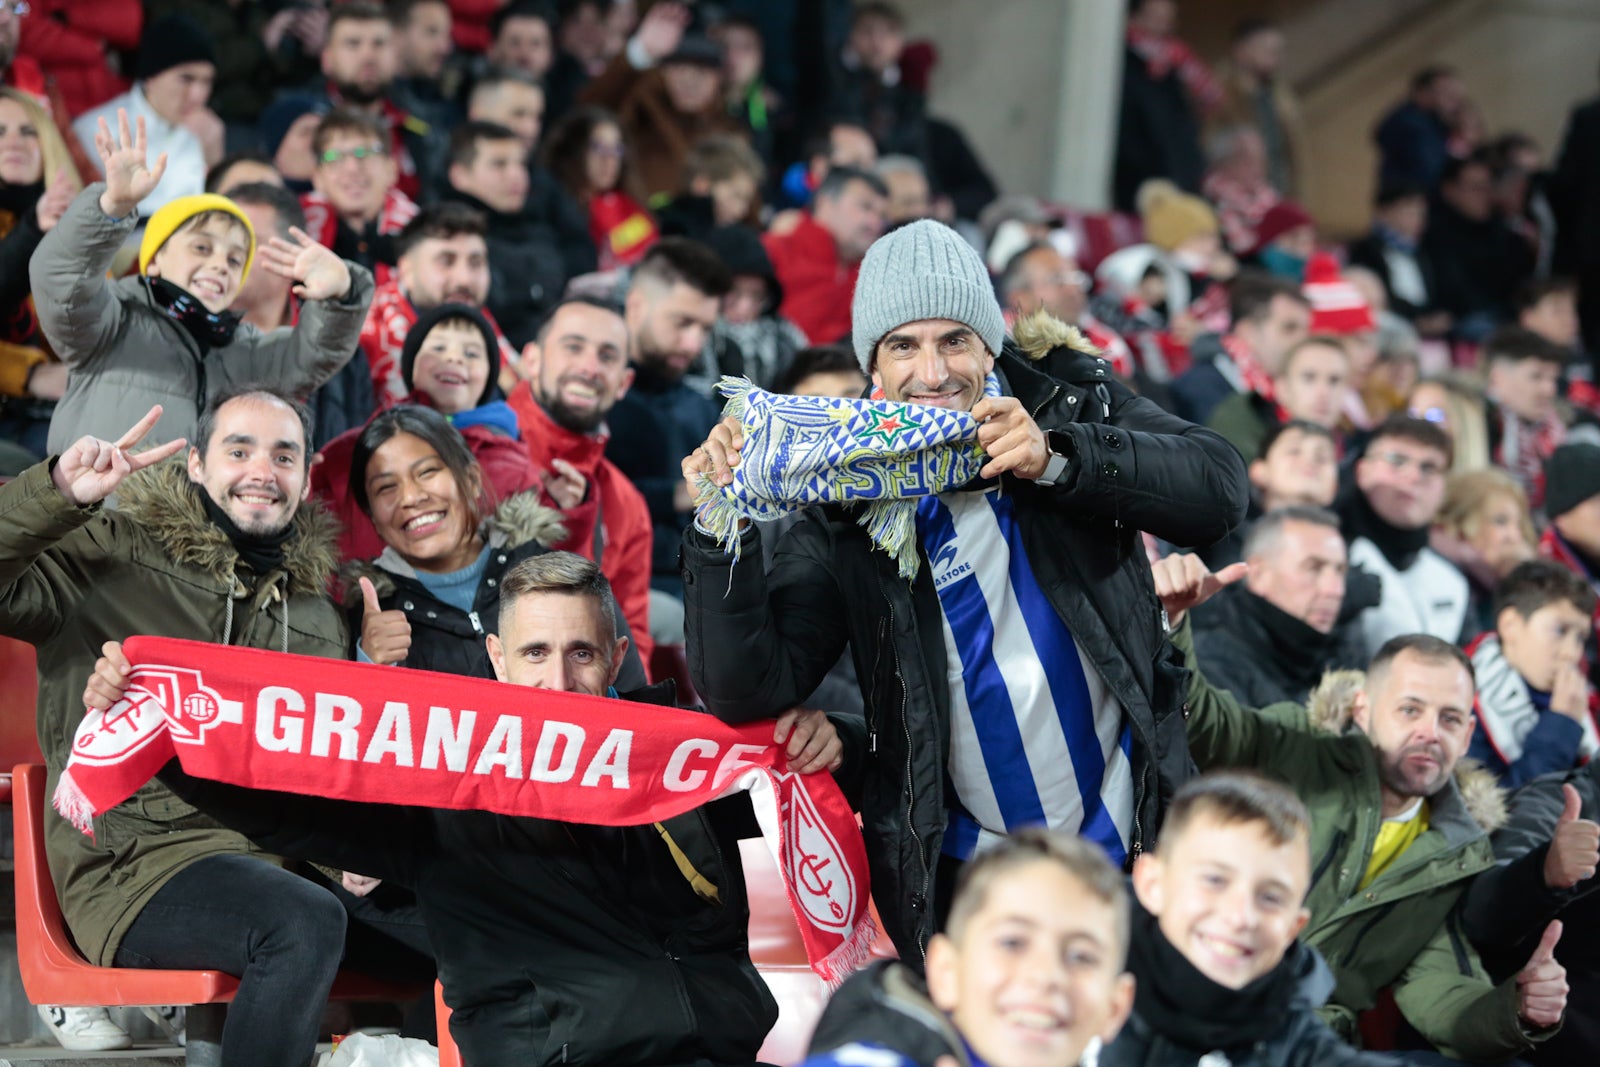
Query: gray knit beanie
{"x": 924, "y": 270}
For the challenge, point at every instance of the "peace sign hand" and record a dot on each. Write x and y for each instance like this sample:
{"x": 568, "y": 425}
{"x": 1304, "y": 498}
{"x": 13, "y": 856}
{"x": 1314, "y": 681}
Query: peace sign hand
{"x": 91, "y": 469}
{"x": 129, "y": 179}
{"x": 318, "y": 272}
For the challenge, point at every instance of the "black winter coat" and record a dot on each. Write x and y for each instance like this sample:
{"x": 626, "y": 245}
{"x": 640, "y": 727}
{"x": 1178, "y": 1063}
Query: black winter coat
{"x": 759, "y": 643}
{"x": 556, "y": 942}
{"x": 1263, "y": 655}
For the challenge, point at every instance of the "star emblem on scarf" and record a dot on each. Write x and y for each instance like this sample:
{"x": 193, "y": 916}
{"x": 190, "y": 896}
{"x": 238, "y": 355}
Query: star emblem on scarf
{"x": 887, "y": 425}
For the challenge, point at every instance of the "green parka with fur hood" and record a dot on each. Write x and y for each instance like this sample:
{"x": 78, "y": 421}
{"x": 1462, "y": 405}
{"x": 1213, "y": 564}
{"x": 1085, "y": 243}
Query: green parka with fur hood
{"x": 1404, "y": 930}
{"x": 73, "y": 578}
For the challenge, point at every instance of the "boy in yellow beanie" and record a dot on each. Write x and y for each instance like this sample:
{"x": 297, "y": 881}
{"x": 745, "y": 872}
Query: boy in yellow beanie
{"x": 166, "y": 336}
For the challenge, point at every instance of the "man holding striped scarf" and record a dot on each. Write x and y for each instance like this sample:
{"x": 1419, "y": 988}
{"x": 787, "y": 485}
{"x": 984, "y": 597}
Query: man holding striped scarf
{"x": 972, "y": 534}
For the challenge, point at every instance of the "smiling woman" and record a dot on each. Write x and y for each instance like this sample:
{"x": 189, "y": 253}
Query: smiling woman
{"x": 434, "y": 590}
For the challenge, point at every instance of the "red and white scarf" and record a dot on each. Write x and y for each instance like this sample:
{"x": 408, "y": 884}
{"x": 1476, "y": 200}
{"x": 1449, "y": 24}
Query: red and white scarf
{"x": 322, "y": 221}
{"x": 388, "y": 735}
{"x": 1253, "y": 377}
{"x": 1162, "y": 55}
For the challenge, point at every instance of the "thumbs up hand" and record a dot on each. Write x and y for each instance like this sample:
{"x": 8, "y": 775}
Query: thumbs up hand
{"x": 1542, "y": 984}
{"x": 1574, "y": 848}
{"x": 385, "y": 635}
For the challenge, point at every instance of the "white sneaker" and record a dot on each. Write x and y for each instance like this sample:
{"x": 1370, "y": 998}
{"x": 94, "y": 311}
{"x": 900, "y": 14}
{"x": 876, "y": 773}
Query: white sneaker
{"x": 170, "y": 1019}
{"x": 84, "y": 1029}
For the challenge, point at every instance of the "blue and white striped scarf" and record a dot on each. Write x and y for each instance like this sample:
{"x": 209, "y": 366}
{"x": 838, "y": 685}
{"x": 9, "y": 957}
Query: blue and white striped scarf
{"x": 804, "y": 450}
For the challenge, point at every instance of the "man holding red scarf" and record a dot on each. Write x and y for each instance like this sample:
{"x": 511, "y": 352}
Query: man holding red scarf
{"x": 556, "y": 941}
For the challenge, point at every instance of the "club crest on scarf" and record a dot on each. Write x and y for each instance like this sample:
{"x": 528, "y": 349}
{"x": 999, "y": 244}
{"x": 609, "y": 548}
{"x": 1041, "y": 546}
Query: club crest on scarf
{"x": 175, "y": 696}
{"x": 804, "y": 450}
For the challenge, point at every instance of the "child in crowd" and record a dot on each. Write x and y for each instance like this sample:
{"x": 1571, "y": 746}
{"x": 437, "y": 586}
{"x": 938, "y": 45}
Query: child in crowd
{"x": 1525, "y": 428}
{"x": 1298, "y": 466}
{"x": 722, "y": 180}
{"x": 166, "y": 336}
{"x": 1311, "y": 387}
{"x": 1219, "y": 976}
{"x": 1028, "y": 971}
{"x": 447, "y": 364}
{"x": 1535, "y": 710}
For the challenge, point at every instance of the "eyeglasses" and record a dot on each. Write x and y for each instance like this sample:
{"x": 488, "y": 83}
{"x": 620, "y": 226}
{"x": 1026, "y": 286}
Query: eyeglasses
{"x": 335, "y": 155}
{"x": 15, "y": 7}
{"x": 1429, "y": 469}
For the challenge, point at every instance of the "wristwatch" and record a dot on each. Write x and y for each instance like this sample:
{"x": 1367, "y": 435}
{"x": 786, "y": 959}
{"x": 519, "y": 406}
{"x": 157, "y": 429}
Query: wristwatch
{"x": 1055, "y": 467}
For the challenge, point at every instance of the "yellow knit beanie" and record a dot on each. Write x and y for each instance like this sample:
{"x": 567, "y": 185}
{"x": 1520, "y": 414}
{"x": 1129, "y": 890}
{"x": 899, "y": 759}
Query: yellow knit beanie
{"x": 164, "y": 223}
{"x": 1172, "y": 216}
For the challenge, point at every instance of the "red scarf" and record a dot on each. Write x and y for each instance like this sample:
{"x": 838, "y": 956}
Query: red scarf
{"x": 1523, "y": 448}
{"x": 621, "y": 229}
{"x": 1162, "y": 55}
{"x": 1252, "y": 375}
{"x": 322, "y": 222}
{"x": 387, "y": 735}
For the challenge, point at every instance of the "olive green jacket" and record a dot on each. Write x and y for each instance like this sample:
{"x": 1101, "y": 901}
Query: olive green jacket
{"x": 73, "y": 578}
{"x": 1403, "y": 932}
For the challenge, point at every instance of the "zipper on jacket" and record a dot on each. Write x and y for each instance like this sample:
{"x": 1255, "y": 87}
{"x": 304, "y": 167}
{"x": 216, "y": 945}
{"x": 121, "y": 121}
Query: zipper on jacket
{"x": 1361, "y": 934}
{"x": 1327, "y": 861}
{"x": 911, "y": 789}
{"x": 1138, "y": 832}
{"x": 1034, "y": 415}
{"x": 872, "y": 717}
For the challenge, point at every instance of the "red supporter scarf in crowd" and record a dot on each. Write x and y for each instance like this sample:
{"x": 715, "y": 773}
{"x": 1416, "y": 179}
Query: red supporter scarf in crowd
{"x": 1523, "y": 449}
{"x": 1252, "y": 375}
{"x": 322, "y": 222}
{"x": 1162, "y": 55}
{"x": 388, "y": 735}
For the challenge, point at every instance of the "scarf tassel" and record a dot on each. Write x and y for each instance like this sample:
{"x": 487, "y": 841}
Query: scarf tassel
{"x": 74, "y": 806}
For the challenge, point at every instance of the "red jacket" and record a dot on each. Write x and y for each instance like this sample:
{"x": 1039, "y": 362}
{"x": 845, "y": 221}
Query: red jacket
{"x": 507, "y": 471}
{"x": 817, "y": 289}
{"x": 71, "y": 38}
{"x": 622, "y": 547}
{"x": 469, "y": 24}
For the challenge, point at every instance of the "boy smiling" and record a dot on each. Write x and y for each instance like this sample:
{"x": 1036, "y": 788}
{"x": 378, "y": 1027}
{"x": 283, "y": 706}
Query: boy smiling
{"x": 167, "y": 336}
{"x": 1218, "y": 972}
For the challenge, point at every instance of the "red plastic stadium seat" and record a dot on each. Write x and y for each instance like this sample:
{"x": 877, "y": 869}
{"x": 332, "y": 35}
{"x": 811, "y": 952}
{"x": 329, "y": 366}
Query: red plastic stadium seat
{"x": 55, "y": 972}
{"x": 19, "y": 687}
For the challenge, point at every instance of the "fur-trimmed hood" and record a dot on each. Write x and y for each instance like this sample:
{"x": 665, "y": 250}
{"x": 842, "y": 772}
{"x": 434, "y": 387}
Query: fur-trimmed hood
{"x": 1039, "y": 333}
{"x": 166, "y": 503}
{"x": 518, "y": 519}
{"x": 1330, "y": 709}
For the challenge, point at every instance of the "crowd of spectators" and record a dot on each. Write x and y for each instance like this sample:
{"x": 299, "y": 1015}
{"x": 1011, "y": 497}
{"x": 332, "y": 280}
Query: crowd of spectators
{"x": 523, "y": 243}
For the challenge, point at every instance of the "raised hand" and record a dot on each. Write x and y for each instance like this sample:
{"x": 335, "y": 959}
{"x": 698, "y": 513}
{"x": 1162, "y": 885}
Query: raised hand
{"x": 91, "y": 469}
{"x": 55, "y": 201}
{"x": 319, "y": 274}
{"x": 565, "y": 484}
{"x": 1574, "y": 847}
{"x": 385, "y": 635}
{"x": 1012, "y": 439}
{"x": 129, "y": 178}
{"x": 110, "y": 678}
{"x": 1570, "y": 694}
{"x": 662, "y": 28}
{"x": 810, "y": 741}
{"x": 1182, "y": 582}
{"x": 1542, "y": 984}
{"x": 718, "y": 456}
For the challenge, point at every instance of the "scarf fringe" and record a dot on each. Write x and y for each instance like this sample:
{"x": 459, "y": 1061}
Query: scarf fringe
{"x": 74, "y": 806}
{"x": 851, "y": 955}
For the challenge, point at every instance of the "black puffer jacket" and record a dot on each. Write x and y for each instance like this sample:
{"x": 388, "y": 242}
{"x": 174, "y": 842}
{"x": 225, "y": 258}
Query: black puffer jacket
{"x": 759, "y": 643}
{"x": 556, "y": 942}
{"x": 446, "y": 639}
{"x": 1264, "y": 655}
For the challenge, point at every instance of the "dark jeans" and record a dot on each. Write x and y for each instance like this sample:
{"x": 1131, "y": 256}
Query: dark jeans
{"x": 281, "y": 934}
